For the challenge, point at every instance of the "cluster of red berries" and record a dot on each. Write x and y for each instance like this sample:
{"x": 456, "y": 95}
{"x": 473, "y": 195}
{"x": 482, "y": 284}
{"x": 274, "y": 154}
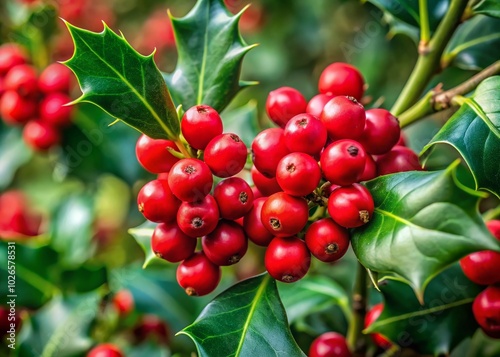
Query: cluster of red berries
{"x": 35, "y": 101}
{"x": 17, "y": 219}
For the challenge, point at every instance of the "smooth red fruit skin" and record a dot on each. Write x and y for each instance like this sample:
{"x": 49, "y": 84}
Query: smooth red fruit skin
{"x": 15, "y": 109}
{"x": 284, "y": 103}
{"x": 197, "y": 275}
{"x": 40, "y": 136}
{"x": 199, "y": 125}
{"x": 268, "y": 148}
{"x": 494, "y": 227}
{"x": 305, "y": 133}
{"x": 326, "y": 240}
{"x": 197, "y": 219}
{"x": 22, "y": 79}
{"x": 399, "y": 159}
{"x": 343, "y": 118}
{"x": 266, "y": 186}
{"x": 372, "y": 316}
{"x": 486, "y": 309}
{"x": 157, "y": 202}
{"x": 234, "y": 198}
{"x": 55, "y": 78}
{"x": 226, "y": 245}
{"x": 10, "y": 56}
{"x": 153, "y": 155}
{"x": 351, "y": 206}
{"x": 317, "y": 103}
{"x": 284, "y": 215}
{"x": 190, "y": 180}
{"x": 343, "y": 162}
{"x": 341, "y": 79}
{"x": 252, "y": 224}
{"x": 152, "y": 326}
{"x": 54, "y": 111}
{"x": 170, "y": 243}
{"x": 298, "y": 174}
{"x": 105, "y": 350}
{"x": 381, "y": 132}
{"x": 370, "y": 171}
{"x": 329, "y": 344}
{"x": 402, "y": 140}
{"x": 287, "y": 259}
{"x": 123, "y": 301}
{"x": 226, "y": 155}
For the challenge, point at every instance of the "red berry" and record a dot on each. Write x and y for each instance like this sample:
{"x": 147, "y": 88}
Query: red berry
{"x": 190, "y": 179}
{"x": 252, "y": 224}
{"x": 153, "y": 155}
{"x": 486, "y": 309}
{"x": 157, "y": 202}
{"x": 123, "y": 301}
{"x": 152, "y": 326}
{"x": 494, "y": 227}
{"x": 105, "y": 350}
{"x": 328, "y": 188}
{"x": 402, "y": 140}
{"x": 8, "y": 317}
{"x": 55, "y": 78}
{"x": 170, "y": 243}
{"x": 15, "y": 109}
{"x": 399, "y": 159}
{"x": 305, "y": 133}
{"x": 326, "y": 240}
{"x": 370, "y": 171}
{"x": 10, "y": 56}
{"x": 199, "y": 125}
{"x": 351, "y": 206}
{"x": 22, "y": 79}
{"x": 344, "y": 118}
{"x": 197, "y": 219}
{"x": 234, "y": 198}
{"x": 371, "y": 316}
{"x": 343, "y": 162}
{"x": 381, "y": 131}
{"x": 40, "y": 135}
{"x": 54, "y": 111}
{"x": 284, "y": 215}
{"x": 226, "y": 155}
{"x": 341, "y": 79}
{"x": 226, "y": 245}
{"x": 268, "y": 148}
{"x": 298, "y": 174}
{"x": 287, "y": 259}
{"x": 197, "y": 275}
{"x": 266, "y": 186}
{"x": 329, "y": 344}
{"x": 284, "y": 103}
{"x": 317, "y": 103}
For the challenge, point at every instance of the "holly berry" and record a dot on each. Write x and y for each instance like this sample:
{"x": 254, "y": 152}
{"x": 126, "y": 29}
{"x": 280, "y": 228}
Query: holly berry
{"x": 268, "y": 148}
{"x": 55, "y": 78}
{"x": 267, "y": 186}
{"x": 197, "y": 219}
{"x": 151, "y": 326}
{"x": 344, "y": 118}
{"x": 252, "y": 224}
{"x": 298, "y": 174}
{"x": 381, "y": 131}
{"x": 157, "y": 202}
{"x": 399, "y": 159}
{"x": 15, "y": 109}
{"x": 105, "y": 350}
{"x": 226, "y": 155}
{"x": 351, "y": 206}
{"x": 284, "y": 215}
{"x": 283, "y": 104}
{"x": 329, "y": 344}
{"x": 10, "y": 56}
{"x": 234, "y": 198}
{"x": 200, "y": 124}
{"x": 305, "y": 133}
{"x": 486, "y": 309}
{"x": 326, "y": 240}
{"x": 317, "y": 103}
{"x": 22, "y": 79}
{"x": 153, "y": 155}
{"x": 123, "y": 301}
{"x": 371, "y": 316}
{"x": 226, "y": 245}
{"x": 170, "y": 243}
{"x": 343, "y": 162}
{"x": 197, "y": 275}
{"x": 40, "y": 135}
{"x": 54, "y": 111}
{"x": 287, "y": 259}
{"x": 341, "y": 79}
{"x": 190, "y": 180}
{"x": 494, "y": 227}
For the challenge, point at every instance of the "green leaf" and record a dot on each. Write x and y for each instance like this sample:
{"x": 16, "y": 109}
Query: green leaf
{"x": 242, "y": 121}
{"x": 13, "y": 154}
{"x": 83, "y": 279}
{"x": 211, "y": 52}
{"x": 470, "y": 46}
{"x": 487, "y": 7}
{"x": 423, "y": 222}
{"x": 124, "y": 83}
{"x": 248, "y": 319}
{"x": 142, "y": 234}
{"x": 435, "y": 327}
{"x": 474, "y": 131}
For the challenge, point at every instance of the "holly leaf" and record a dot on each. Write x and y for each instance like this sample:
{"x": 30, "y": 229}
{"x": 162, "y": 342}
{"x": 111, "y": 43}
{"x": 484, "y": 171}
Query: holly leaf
{"x": 142, "y": 235}
{"x": 13, "y": 154}
{"x": 487, "y": 7}
{"x": 122, "y": 82}
{"x": 247, "y": 319}
{"x": 423, "y": 222}
{"x": 474, "y": 131}
{"x": 437, "y": 326}
{"x": 211, "y": 52}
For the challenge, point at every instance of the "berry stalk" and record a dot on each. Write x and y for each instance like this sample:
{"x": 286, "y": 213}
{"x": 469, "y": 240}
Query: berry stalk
{"x": 355, "y": 337}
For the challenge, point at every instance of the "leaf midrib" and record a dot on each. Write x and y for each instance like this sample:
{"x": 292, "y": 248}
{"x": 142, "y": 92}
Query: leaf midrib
{"x": 478, "y": 109}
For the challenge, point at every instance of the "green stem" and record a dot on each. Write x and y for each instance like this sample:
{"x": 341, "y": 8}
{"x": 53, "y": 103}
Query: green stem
{"x": 493, "y": 213}
{"x": 425, "y": 31}
{"x": 418, "y": 111}
{"x": 429, "y": 57}
{"x": 182, "y": 148}
{"x": 355, "y": 337}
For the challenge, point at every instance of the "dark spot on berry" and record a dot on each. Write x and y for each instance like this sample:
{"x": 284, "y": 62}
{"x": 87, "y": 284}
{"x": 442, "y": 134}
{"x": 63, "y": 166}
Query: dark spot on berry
{"x": 235, "y": 137}
{"x": 353, "y": 150}
{"x": 191, "y": 292}
{"x": 275, "y": 223}
{"x": 290, "y": 167}
{"x": 364, "y": 216}
{"x": 234, "y": 259}
{"x": 202, "y": 109}
{"x": 189, "y": 169}
{"x": 243, "y": 197}
{"x": 158, "y": 254}
{"x": 302, "y": 122}
{"x": 331, "y": 248}
{"x": 140, "y": 206}
{"x": 197, "y": 222}
{"x": 287, "y": 278}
